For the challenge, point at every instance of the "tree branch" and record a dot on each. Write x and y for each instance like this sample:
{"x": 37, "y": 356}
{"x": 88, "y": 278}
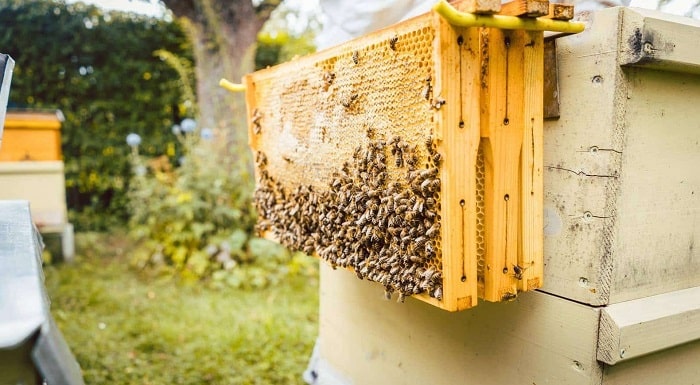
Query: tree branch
{"x": 264, "y": 9}
{"x": 181, "y": 8}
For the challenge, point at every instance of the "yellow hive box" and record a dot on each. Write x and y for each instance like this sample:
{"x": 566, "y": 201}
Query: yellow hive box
{"x": 412, "y": 156}
{"x": 32, "y": 135}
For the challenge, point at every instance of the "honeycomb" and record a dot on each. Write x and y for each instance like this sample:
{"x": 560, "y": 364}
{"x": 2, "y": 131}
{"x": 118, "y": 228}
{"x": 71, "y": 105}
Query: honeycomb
{"x": 368, "y": 196}
{"x": 480, "y": 217}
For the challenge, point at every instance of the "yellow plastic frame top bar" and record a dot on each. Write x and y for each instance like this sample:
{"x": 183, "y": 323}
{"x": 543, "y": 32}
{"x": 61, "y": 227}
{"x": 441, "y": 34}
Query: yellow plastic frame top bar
{"x": 463, "y": 19}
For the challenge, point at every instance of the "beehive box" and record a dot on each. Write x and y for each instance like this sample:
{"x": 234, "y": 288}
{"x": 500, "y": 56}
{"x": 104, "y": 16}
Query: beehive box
{"x": 628, "y": 121}
{"x": 42, "y": 184}
{"x": 32, "y": 135}
{"x": 409, "y": 157}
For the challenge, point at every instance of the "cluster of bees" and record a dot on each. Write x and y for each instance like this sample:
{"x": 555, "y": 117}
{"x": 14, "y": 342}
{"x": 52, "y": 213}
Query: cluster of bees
{"x": 385, "y": 229}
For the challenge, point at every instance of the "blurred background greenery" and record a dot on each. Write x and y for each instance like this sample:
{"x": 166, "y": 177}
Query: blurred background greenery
{"x": 113, "y": 73}
{"x": 186, "y": 201}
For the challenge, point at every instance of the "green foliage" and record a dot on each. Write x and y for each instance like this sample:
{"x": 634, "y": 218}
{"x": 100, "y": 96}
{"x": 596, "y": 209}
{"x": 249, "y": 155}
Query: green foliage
{"x": 125, "y": 328}
{"x": 281, "y": 47}
{"x": 197, "y": 221}
{"x": 288, "y": 33}
{"x": 101, "y": 71}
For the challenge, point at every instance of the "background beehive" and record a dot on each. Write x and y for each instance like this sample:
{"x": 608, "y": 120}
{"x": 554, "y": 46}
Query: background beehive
{"x": 367, "y": 155}
{"x": 32, "y": 135}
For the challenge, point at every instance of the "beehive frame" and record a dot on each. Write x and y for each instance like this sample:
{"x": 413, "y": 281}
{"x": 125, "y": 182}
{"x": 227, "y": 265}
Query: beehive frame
{"x": 408, "y": 157}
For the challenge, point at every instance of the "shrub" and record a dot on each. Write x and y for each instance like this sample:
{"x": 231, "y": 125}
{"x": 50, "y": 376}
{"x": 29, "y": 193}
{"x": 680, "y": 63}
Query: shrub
{"x": 197, "y": 220}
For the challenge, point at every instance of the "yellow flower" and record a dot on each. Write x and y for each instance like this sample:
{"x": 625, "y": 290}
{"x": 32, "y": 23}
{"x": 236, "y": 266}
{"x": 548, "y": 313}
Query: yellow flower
{"x": 184, "y": 197}
{"x": 171, "y": 149}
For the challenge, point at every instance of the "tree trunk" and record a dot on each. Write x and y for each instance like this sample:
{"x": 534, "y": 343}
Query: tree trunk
{"x": 223, "y": 33}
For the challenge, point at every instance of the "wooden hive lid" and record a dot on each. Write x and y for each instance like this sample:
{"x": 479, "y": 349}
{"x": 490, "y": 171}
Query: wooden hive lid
{"x": 34, "y": 119}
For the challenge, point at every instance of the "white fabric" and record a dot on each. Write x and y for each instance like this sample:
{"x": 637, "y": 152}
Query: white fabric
{"x": 347, "y": 19}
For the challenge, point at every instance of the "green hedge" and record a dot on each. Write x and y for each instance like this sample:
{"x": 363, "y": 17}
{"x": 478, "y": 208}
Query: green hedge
{"x": 100, "y": 70}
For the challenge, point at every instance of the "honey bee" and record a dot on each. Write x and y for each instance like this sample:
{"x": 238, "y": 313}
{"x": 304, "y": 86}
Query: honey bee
{"x": 433, "y": 230}
{"x": 381, "y": 177}
{"x": 437, "y": 294}
{"x": 356, "y": 57}
{"x": 392, "y": 42}
{"x": 401, "y": 195}
{"x": 419, "y": 206}
{"x": 387, "y": 293}
{"x": 411, "y": 159}
{"x": 385, "y": 279}
{"x": 357, "y": 153}
{"x": 399, "y": 160}
{"x": 420, "y": 241}
{"x": 426, "y": 91}
{"x": 429, "y": 143}
{"x": 362, "y": 220}
{"x": 380, "y": 158}
{"x": 257, "y": 116}
{"x": 394, "y": 231}
{"x": 364, "y": 269}
{"x": 416, "y": 187}
{"x": 393, "y": 222}
{"x": 328, "y": 78}
{"x": 402, "y": 297}
{"x": 400, "y": 209}
{"x": 429, "y": 173}
{"x": 376, "y": 234}
{"x": 372, "y": 205}
{"x": 260, "y": 158}
{"x": 348, "y": 102}
{"x": 508, "y": 296}
{"x": 437, "y": 158}
{"x": 409, "y": 216}
{"x": 426, "y": 186}
{"x": 293, "y": 210}
{"x": 518, "y": 272}
{"x": 437, "y": 103}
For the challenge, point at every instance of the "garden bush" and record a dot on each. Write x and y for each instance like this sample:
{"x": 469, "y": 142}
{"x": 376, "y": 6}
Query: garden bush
{"x": 196, "y": 220}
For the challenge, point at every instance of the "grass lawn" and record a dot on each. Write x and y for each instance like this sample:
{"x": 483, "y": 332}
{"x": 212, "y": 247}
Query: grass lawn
{"x": 128, "y": 327}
